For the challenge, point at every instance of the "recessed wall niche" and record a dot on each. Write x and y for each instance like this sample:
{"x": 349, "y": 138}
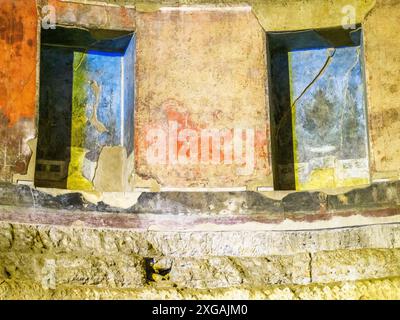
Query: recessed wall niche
{"x": 318, "y": 109}
{"x": 86, "y": 103}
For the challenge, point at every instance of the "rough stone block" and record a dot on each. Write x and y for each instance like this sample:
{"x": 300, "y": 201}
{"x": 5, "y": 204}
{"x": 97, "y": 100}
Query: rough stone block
{"x": 350, "y": 265}
{"x": 114, "y": 271}
{"x": 220, "y": 272}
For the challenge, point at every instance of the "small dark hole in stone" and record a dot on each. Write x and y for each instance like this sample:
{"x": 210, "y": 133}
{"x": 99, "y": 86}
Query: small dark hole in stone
{"x": 149, "y": 262}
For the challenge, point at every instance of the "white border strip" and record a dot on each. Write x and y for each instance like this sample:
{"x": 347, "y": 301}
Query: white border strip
{"x": 141, "y": 190}
{"x": 183, "y": 8}
{"x": 265, "y": 189}
{"x": 233, "y": 189}
{"x": 243, "y": 8}
{"x": 98, "y": 3}
{"x": 381, "y": 180}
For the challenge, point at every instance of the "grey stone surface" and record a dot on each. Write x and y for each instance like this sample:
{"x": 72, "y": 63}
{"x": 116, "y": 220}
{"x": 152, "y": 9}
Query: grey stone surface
{"x": 377, "y": 196}
{"x": 111, "y": 258}
{"x": 346, "y": 265}
{"x": 59, "y": 239}
{"x": 214, "y": 272}
{"x": 112, "y": 271}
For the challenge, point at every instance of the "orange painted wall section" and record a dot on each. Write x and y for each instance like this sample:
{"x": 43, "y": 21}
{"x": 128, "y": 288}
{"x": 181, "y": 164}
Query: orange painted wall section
{"x": 18, "y": 44}
{"x": 18, "y": 41}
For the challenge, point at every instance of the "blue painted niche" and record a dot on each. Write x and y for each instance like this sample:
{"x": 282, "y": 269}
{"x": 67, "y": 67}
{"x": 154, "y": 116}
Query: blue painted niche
{"x": 318, "y": 109}
{"x": 104, "y": 88}
{"x": 87, "y": 94}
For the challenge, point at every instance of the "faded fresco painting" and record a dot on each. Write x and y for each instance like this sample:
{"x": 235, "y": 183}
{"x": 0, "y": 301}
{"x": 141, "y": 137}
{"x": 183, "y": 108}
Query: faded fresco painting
{"x": 99, "y": 115}
{"x": 96, "y": 112}
{"x": 329, "y": 120}
{"x": 199, "y": 149}
{"x": 86, "y": 103}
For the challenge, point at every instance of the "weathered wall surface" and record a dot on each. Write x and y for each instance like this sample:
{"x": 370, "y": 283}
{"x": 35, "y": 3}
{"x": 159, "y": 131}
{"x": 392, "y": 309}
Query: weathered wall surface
{"x": 383, "y": 73}
{"x": 99, "y": 112}
{"x": 18, "y": 63}
{"x": 377, "y": 289}
{"x": 76, "y": 262}
{"x": 330, "y": 120}
{"x": 201, "y": 70}
{"x": 308, "y": 14}
{"x": 92, "y": 16}
{"x": 183, "y": 69}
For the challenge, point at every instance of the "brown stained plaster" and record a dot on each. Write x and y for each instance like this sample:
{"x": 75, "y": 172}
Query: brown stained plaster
{"x": 254, "y": 185}
{"x": 147, "y": 7}
{"x": 372, "y": 165}
{"x": 170, "y": 223}
{"x": 135, "y": 185}
{"x": 140, "y": 180}
{"x": 378, "y": 4}
{"x": 122, "y": 200}
{"x": 88, "y": 2}
{"x": 264, "y": 10}
{"x": 135, "y": 182}
{"x": 382, "y": 115}
{"x": 107, "y": 10}
{"x": 385, "y": 176}
{"x": 99, "y": 3}
{"x": 279, "y": 195}
{"x": 42, "y": 3}
{"x": 38, "y": 55}
{"x": 258, "y": 8}
{"x": 306, "y": 14}
{"x": 29, "y": 177}
{"x": 122, "y": 180}
{"x": 110, "y": 170}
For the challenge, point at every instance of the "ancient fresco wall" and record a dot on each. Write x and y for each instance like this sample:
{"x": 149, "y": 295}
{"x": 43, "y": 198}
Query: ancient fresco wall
{"x": 96, "y": 110}
{"x": 330, "y": 137}
{"x": 207, "y": 60}
{"x": 382, "y": 30}
{"x": 199, "y": 71}
{"x": 85, "y": 105}
{"x": 18, "y": 38}
{"x": 101, "y": 43}
{"x": 318, "y": 109}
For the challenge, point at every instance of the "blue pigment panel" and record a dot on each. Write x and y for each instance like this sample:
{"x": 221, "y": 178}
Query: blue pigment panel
{"x": 87, "y": 94}
{"x": 103, "y": 100}
{"x": 328, "y": 95}
{"x": 104, "y": 88}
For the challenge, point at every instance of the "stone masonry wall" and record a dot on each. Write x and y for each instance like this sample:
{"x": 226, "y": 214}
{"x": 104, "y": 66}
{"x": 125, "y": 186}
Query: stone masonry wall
{"x": 58, "y": 262}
